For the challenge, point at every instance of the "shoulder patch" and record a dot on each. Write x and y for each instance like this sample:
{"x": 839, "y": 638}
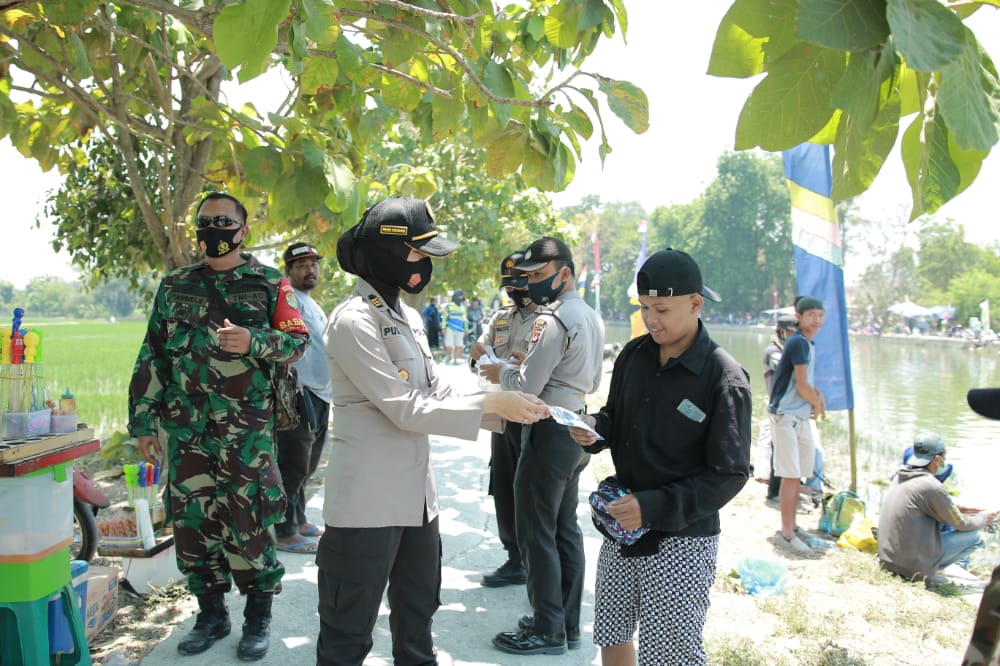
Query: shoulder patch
{"x": 536, "y": 330}
{"x": 286, "y": 316}
{"x": 375, "y": 300}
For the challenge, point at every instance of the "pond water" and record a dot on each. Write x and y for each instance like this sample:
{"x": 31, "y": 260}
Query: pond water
{"x": 901, "y": 386}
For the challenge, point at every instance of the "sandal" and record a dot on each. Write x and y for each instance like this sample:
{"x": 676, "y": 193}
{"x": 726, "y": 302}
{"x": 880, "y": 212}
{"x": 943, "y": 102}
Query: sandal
{"x": 310, "y": 530}
{"x": 298, "y": 547}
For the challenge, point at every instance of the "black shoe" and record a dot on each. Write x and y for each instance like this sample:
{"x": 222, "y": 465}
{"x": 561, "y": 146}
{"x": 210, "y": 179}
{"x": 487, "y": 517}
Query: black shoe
{"x": 509, "y": 573}
{"x": 211, "y": 625}
{"x": 527, "y": 622}
{"x": 529, "y": 642}
{"x": 256, "y": 637}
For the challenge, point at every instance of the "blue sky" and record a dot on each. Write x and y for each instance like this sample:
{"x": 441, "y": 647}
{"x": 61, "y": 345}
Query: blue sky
{"x": 692, "y": 121}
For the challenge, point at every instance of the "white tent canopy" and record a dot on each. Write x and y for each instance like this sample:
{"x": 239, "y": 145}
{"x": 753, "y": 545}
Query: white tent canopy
{"x": 909, "y": 309}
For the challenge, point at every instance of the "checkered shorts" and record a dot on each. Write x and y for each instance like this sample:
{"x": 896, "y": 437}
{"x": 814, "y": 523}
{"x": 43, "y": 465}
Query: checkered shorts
{"x": 665, "y": 594}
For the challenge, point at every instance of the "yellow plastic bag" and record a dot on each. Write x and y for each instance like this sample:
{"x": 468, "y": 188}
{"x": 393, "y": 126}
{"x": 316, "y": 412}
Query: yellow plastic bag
{"x": 859, "y": 535}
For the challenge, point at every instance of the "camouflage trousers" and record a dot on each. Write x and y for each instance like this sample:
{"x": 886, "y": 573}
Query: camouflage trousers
{"x": 982, "y": 648}
{"x": 224, "y": 492}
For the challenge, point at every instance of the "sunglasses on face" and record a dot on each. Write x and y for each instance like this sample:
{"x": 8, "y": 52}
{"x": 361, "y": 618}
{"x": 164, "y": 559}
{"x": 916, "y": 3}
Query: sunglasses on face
{"x": 217, "y": 221}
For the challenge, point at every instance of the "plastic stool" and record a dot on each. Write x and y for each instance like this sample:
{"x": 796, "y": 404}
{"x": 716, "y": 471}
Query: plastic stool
{"x": 24, "y": 632}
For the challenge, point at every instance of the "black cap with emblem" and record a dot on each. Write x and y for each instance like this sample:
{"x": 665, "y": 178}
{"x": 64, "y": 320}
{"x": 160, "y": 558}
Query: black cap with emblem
{"x": 672, "y": 272}
{"x": 544, "y": 250}
{"x": 511, "y": 276}
{"x": 407, "y": 220}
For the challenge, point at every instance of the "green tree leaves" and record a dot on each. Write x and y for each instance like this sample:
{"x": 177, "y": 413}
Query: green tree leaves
{"x": 794, "y": 101}
{"x": 628, "y": 102}
{"x": 246, "y": 34}
{"x": 149, "y": 79}
{"x": 848, "y": 73}
{"x": 845, "y": 25}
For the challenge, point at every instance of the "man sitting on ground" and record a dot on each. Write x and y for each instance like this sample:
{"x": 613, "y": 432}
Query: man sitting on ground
{"x": 910, "y": 542}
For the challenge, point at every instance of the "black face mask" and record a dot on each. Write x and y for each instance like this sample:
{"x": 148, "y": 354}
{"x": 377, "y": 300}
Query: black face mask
{"x": 218, "y": 242}
{"x": 520, "y": 297}
{"x": 402, "y": 273}
{"x": 543, "y": 292}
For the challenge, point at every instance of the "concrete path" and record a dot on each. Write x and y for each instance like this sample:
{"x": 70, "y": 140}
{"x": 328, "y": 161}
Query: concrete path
{"x": 470, "y": 615}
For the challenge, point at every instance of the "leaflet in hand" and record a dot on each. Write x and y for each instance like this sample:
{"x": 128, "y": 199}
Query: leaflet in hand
{"x": 489, "y": 357}
{"x": 570, "y": 419}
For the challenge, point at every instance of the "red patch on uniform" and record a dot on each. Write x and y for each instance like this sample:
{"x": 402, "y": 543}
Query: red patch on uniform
{"x": 536, "y": 331}
{"x": 286, "y": 317}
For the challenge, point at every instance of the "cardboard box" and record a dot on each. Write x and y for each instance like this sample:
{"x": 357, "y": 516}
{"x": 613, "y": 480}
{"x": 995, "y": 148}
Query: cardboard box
{"x": 102, "y": 599}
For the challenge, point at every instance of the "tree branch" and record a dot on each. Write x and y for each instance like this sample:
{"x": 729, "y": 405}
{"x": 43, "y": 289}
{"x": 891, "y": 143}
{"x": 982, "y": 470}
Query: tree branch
{"x": 124, "y": 142}
{"x": 444, "y": 48}
{"x": 200, "y": 19}
{"x": 430, "y": 13}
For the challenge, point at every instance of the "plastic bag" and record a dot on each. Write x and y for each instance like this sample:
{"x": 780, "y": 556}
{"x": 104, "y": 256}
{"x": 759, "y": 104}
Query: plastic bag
{"x": 762, "y": 578}
{"x": 859, "y": 535}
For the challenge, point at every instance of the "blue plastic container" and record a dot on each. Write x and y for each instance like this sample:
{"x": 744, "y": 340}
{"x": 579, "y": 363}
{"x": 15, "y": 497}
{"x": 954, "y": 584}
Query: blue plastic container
{"x": 60, "y": 638}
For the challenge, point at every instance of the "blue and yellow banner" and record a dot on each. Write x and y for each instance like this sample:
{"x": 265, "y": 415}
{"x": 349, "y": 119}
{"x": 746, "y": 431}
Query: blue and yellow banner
{"x": 819, "y": 265}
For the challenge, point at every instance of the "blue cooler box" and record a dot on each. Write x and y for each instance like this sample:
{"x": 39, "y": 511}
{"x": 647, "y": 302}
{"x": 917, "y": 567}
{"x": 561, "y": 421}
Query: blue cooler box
{"x": 60, "y": 638}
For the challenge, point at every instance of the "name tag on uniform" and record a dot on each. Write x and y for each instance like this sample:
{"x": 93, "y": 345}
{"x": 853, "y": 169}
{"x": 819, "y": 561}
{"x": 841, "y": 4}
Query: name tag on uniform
{"x": 690, "y": 410}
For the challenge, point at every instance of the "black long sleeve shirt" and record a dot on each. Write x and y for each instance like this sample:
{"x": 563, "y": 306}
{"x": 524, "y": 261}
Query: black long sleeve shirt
{"x": 682, "y": 471}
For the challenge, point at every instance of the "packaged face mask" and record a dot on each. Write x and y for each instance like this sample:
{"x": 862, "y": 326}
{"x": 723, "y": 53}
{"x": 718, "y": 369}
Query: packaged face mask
{"x": 607, "y": 492}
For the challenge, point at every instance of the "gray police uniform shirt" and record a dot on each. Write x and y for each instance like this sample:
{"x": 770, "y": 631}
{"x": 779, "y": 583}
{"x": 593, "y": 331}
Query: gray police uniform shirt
{"x": 565, "y": 354}
{"x": 387, "y": 400}
{"x": 508, "y": 331}
{"x": 311, "y": 368}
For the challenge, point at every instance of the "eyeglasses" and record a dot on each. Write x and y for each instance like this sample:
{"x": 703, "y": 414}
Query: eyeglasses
{"x": 217, "y": 221}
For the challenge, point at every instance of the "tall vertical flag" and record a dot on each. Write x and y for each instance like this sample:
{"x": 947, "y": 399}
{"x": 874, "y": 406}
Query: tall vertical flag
{"x": 635, "y": 319}
{"x": 819, "y": 265}
{"x": 596, "y": 284}
{"x": 597, "y": 259}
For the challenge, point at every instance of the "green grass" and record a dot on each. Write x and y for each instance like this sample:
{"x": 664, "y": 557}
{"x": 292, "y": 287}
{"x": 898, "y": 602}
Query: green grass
{"x": 94, "y": 359}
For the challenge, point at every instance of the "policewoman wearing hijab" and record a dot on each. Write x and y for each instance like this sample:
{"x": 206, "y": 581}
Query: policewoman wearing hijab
{"x": 381, "y": 505}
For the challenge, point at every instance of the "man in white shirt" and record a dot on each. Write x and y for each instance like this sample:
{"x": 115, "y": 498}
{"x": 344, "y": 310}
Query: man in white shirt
{"x": 299, "y": 450}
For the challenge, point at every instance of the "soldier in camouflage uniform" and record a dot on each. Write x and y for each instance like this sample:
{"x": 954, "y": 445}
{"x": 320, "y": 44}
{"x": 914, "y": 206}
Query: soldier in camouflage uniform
{"x": 203, "y": 374}
{"x": 982, "y": 650}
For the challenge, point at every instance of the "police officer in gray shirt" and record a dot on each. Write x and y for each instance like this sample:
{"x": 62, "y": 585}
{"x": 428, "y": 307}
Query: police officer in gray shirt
{"x": 562, "y": 365}
{"x": 507, "y": 333}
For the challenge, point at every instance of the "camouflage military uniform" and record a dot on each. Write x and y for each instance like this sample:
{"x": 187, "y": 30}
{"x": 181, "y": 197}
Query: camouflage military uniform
{"x": 982, "y": 648}
{"x": 216, "y": 407}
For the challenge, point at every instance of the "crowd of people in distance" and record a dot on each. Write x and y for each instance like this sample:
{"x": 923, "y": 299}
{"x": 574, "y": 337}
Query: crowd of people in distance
{"x": 454, "y": 327}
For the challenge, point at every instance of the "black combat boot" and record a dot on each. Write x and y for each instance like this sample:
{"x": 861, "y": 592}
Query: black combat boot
{"x": 257, "y": 627}
{"x": 212, "y": 624}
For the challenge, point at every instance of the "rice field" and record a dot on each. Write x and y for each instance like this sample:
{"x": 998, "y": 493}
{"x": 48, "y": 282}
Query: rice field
{"x": 94, "y": 360}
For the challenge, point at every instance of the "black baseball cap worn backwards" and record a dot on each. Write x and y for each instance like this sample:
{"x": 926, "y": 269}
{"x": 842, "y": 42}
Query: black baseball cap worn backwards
{"x": 408, "y": 220}
{"x": 985, "y": 402}
{"x": 672, "y": 272}
{"x": 544, "y": 250}
{"x": 298, "y": 251}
